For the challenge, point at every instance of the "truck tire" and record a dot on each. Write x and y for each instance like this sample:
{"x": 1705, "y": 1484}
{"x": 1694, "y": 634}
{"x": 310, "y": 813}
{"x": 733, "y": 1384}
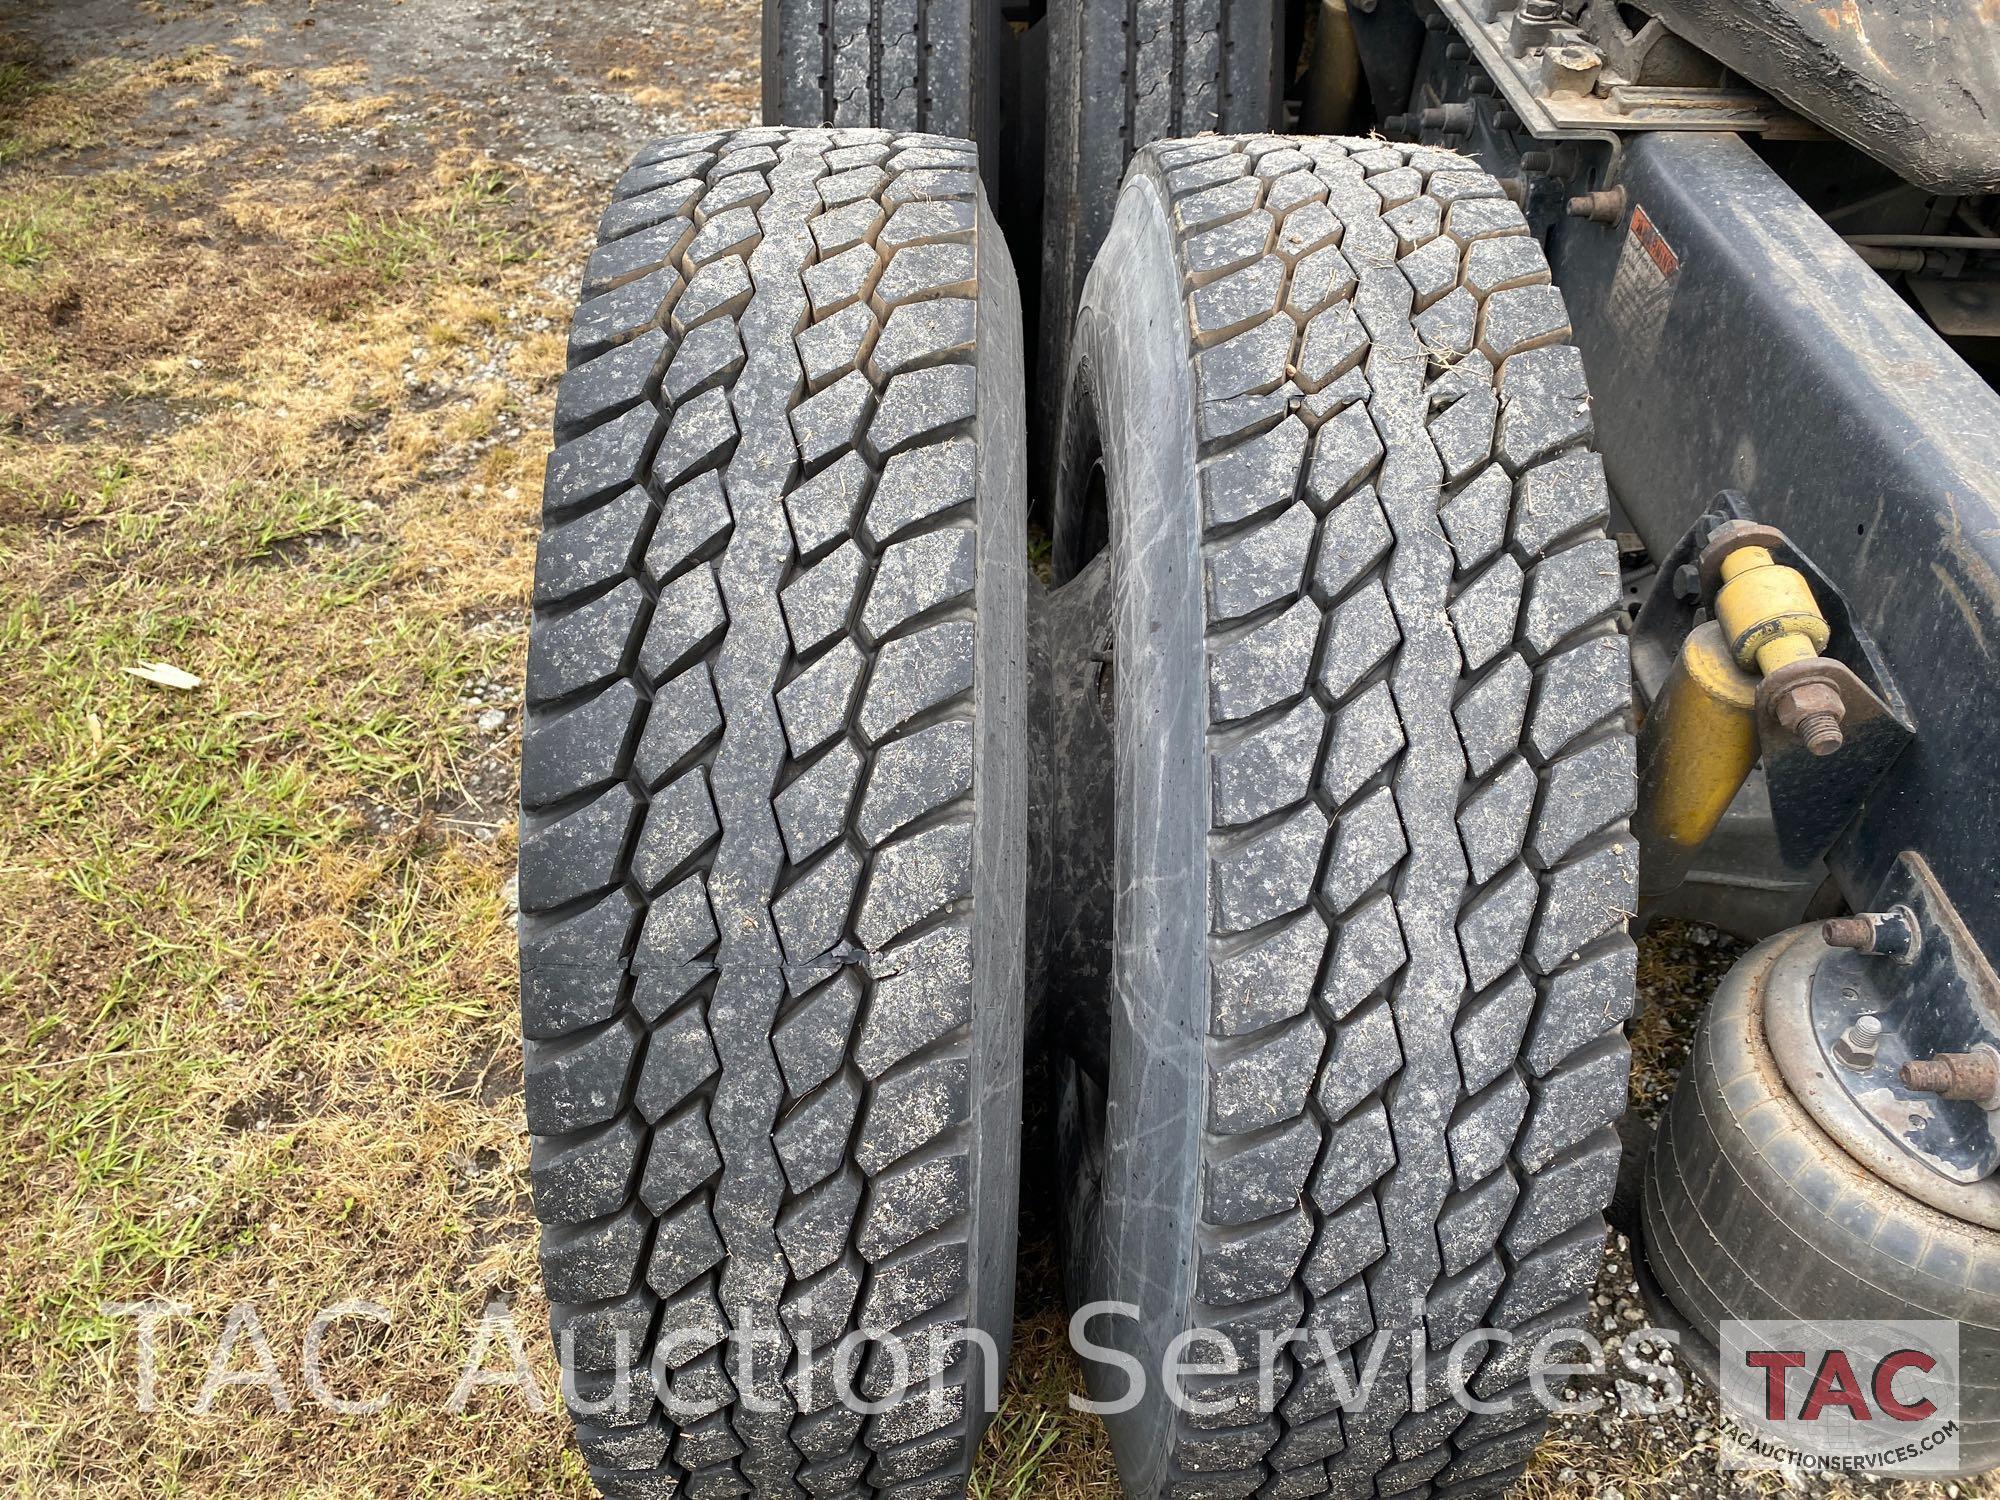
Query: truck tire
{"x": 1122, "y": 74}
{"x": 772, "y": 830}
{"x": 931, "y": 65}
{"x": 1752, "y": 1211}
{"x": 1370, "y": 697}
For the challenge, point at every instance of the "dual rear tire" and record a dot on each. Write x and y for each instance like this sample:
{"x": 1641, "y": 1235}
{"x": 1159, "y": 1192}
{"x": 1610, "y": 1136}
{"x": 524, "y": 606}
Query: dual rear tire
{"x": 1356, "y": 1072}
{"x": 1369, "y": 962}
{"x": 772, "y": 846}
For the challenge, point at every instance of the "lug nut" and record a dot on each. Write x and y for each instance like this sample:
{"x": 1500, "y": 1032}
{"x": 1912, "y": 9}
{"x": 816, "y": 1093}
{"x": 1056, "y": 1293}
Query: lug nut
{"x": 1812, "y": 711}
{"x": 1857, "y": 1045}
{"x": 1973, "y": 1075}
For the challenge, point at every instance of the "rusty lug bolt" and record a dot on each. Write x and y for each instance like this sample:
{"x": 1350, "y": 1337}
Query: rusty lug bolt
{"x": 1857, "y": 1045}
{"x": 1892, "y": 933}
{"x": 1812, "y": 711}
{"x": 1606, "y": 206}
{"x": 1973, "y": 1075}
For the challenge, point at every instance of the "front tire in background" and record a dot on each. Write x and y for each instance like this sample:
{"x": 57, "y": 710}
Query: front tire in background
{"x": 772, "y": 829}
{"x": 1373, "y": 770}
{"x": 1122, "y": 74}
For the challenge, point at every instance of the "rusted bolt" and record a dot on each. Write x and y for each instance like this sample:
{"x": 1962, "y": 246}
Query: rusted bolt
{"x": 1605, "y": 206}
{"x": 1973, "y": 1075}
{"x": 1812, "y": 711}
{"x": 1857, "y": 1045}
{"x": 1571, "y": 69}
{"x": 1891, "y": 933}
{"x": 1451, "y": 119}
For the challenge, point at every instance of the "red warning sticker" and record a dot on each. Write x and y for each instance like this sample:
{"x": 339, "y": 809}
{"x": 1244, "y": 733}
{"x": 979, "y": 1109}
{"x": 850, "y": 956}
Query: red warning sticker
{"x": 1653, "y": 244}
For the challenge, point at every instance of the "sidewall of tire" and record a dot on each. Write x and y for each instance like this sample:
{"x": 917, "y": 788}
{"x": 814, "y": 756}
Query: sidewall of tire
{"x": 1000, "y": 784}
{"x": 1130, "y": 1231}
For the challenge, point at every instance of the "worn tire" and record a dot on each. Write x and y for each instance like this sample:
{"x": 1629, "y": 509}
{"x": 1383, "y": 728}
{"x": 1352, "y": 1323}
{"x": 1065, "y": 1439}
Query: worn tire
{"x": 772, "y": 792}
{"x": 1752, "y": 1211}
{"x": 1373, "y": 771}
{"x": 1122, "y": 74}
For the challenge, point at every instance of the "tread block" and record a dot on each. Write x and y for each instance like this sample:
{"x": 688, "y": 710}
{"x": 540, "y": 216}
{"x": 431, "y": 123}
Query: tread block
{"x": 912, "y": 879}
{"x": 916, "y": 576}
{"x": 1368, "y": 841}
{"x": 1586, "y": 789}
{"x": 679, "y": 1059}
{"x": 1365, "y": 1056}
{"x": 1367, "y": 735}
{"x": 1270, "y": 980}
{"x": 811, "y": 1141}
{"x": 1569, "y": 590}
{"x": 578, "y": 852}
{"x": 1268, "y": 767}
{"x": 1260, "y": 567}
{"x": 581, "y": 746}
{"x": 1493, "y": 821}
{"x": 1583, "y": 1001}
{"x": 1265, "y": 1082}
{"x": 585, "y": 1175}
{"x": 1243, "y": 1265}
{"x": 919, "y": 483}
{"x": 923, "y": 993}
{"x": 579, "y": 1081}
{"x": 811, "y": 1040}
{"x": 682, "y": 1158}
{"x": 1265, "y": 1178}
{"x": 593, "y": 1262}
{"x": 812, "y": 811}
{"x": 910, "y": 1108}
{"x": 915, "y": 775}
{"x": 1489, "y": 1030}
{"x": 1267, "y": 665}
{"x": 1269, "y": 874}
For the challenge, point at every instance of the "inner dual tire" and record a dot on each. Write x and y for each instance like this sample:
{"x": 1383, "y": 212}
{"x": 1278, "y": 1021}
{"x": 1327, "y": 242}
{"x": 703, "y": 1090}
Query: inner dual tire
{"x": 1372, "y": 774}
{"x": 772, "y": 848}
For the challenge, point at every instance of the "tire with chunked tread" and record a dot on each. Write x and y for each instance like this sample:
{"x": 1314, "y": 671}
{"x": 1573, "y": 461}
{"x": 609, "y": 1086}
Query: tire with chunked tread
{"x": 772, "y": 865}
{"x": 1121, "y": 75}
{"x": 1373, "y": 768}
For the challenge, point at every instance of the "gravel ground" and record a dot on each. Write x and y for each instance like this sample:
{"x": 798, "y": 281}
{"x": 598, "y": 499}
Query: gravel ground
{"x": 565, "y": 93}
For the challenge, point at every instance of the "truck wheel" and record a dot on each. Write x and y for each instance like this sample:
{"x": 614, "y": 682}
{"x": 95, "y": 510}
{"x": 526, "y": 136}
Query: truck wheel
{"x": 1369, "y": 702}
{"x": 772, "y": 788}
{"x": 1122, "y": 74}
{"x": 931, "y": 65}
{"x": 1752, "y": 1211}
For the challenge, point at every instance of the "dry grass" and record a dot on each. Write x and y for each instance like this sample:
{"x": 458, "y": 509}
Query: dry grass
{"x": 281, "y": 430}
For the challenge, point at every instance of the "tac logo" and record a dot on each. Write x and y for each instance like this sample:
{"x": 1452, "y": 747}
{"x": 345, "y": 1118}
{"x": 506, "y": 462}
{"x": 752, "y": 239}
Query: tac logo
{"x": 1855, "y": 1395}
